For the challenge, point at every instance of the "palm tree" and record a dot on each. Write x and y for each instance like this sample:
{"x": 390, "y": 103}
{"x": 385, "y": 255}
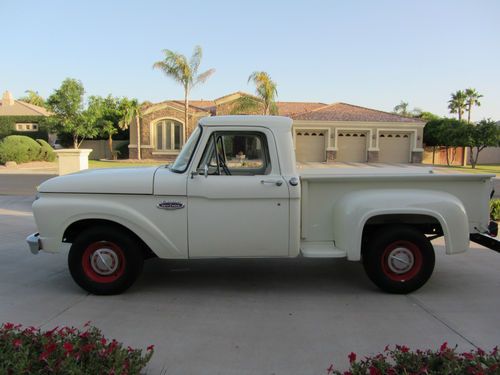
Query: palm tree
{"x": 472, "y": 99}
{"x": 265, "y": 100}
{"x": 132, "y": 111}
{"x": 177, "y": 67}
{"x": 457, "y": 103}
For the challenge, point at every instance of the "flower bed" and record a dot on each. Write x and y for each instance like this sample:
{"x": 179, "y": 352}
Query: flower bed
{"x": 403, "y": 361}
{"x": 66, "y": 350}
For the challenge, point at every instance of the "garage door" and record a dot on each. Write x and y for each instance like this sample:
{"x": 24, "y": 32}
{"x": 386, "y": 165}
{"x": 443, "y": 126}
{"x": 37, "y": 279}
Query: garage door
{"x": 310, "y": 146}
{"x": 394, "y": 148}
{"x": 351, "y": 147}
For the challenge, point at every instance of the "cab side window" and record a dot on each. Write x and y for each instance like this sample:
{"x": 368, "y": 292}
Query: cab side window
{"x": 236, "y": 153}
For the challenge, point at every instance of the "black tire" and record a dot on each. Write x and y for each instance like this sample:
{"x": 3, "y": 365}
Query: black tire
{"x": 105, "y": 260}
{"x": 398, "y": 259}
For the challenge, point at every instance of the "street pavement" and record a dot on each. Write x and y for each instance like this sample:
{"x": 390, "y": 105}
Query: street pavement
{"x": 21, "y": 184}
{"x": 252, "y": 316}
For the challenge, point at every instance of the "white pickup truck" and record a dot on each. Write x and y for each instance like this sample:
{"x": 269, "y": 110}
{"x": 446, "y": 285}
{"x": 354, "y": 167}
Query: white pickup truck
{"x": 235, "y": 192}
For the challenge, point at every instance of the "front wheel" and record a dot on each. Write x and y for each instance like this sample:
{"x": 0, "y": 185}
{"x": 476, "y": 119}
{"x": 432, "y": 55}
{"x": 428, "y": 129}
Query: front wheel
{"x": 398, "y": 259}
{"x": 105, "y": 260}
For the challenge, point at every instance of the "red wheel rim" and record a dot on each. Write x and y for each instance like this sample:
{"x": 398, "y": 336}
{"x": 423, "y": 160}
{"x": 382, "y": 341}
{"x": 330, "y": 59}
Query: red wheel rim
{"x": 401, "y": 260}
{"x": 103, "y": 262}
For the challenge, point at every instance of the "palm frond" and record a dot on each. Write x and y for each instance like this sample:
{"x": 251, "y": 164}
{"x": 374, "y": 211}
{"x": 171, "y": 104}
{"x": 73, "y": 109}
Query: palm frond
{"x": 246, "y": 105}
{"x": 194, "y": 62}
{"x": 201, "y": 78}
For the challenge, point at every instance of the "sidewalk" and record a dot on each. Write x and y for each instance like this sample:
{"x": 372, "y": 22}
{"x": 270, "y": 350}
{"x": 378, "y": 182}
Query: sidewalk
{"x": 35, "y": 167}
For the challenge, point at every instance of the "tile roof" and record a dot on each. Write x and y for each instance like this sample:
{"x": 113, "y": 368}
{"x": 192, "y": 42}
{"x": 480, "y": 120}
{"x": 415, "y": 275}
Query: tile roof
{"x": 349, "y": 112}
{"x": 291, "y": 108}
{"x": 20, "y": 108}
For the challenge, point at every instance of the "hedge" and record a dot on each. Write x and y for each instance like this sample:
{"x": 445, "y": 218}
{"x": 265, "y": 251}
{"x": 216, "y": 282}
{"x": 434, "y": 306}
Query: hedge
{"x": 46, "y": 151}
{"x": 22, "y": 149}
{"x": 8, "y": 126}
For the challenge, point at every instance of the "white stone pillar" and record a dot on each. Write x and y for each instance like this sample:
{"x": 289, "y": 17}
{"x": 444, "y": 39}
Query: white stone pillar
{"x": 73, "y": 160}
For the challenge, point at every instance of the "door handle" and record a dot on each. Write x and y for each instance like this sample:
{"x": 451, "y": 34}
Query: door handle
{"x": 275, "y": 182}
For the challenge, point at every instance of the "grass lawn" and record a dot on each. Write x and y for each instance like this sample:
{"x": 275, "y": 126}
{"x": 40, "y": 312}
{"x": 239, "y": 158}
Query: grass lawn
{"x": 123, "y": 163}
{"x": 485, "y": 168}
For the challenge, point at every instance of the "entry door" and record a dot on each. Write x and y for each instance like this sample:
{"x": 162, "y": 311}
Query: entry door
{"x": 238, "y": 203}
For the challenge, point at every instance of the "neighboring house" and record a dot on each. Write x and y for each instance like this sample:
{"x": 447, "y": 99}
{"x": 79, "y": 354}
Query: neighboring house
{"x": 321, "y": 132}
{"x": 18, "y": 117}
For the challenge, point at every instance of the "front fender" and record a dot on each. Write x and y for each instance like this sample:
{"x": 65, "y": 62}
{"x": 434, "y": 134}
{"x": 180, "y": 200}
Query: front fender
{"x": 54, "y": 213}
{"x": 351, "y": 213}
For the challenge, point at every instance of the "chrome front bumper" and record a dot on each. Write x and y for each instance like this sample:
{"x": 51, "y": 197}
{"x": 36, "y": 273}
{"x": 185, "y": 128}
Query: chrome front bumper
{"x": 34, "y": 242}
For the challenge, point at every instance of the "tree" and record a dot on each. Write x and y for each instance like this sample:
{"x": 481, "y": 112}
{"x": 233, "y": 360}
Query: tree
{"x": 472, "y": 99}
{"x": 131, "y": 110}
{"x": 485, "y": 134}
{"x": 265, "y": 101}
{"x": 177, "y": 67}
{"x": 402, "y": 108}
{"x": 105, "y": 114}
{"x": 457, "y": 103}
{"x": 449, "y": 133}
{"x": 34, "y": 98}
{"x": 67, "y": 105}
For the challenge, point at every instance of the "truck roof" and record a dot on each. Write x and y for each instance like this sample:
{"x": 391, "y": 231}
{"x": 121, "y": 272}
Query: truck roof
{"x": 272, "y": 122}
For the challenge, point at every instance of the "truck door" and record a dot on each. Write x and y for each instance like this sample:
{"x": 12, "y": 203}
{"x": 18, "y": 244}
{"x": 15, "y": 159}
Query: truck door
{"x": 238, "y": 202}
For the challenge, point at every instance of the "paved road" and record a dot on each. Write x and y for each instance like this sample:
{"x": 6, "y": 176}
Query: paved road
{"x": 21, "y": 184}
{"x": 253, "y": 316}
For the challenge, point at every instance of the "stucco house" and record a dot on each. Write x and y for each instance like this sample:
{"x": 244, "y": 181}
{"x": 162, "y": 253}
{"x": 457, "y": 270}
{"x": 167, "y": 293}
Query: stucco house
{"x": 18, "y": 117}
{"x": 322, "y": 132}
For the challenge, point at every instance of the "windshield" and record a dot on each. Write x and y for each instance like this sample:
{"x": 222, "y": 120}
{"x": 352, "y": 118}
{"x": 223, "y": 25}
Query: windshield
{"x": 181, "y": 163}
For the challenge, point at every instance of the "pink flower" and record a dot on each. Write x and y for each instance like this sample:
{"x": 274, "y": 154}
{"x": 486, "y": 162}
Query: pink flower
{"x": 374, "y": 371}
{"x": 17, "y": 343}
{"x": 87, "y": 348}
{"x": 103, "y": 341}
{"x": 404, "y": 349}
{"x": 49, "y": 348}
{"x": 43, "y": 356}
{"x": 352, "y": 357}
{"x": 468, "y": 356}
{"x": 443, "y": 347}
{"x": 150, "y": 348}
{"x": 8, "y": 326}
{"x": 68, "y": 347}
{"x": 329, "y": 370}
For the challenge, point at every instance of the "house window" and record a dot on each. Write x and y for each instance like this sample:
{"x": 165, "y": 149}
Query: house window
{"x": 169, "y": 135}
{"x": 26, "y": 127}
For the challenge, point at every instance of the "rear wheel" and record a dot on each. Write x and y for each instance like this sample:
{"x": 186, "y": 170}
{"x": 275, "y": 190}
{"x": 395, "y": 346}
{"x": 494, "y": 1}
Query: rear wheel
{"x": 398, "y": 259}
{"x": 105, "y": 260}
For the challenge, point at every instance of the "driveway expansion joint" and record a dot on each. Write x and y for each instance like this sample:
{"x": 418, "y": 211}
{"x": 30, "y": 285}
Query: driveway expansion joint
{"x": 433, "y": 314}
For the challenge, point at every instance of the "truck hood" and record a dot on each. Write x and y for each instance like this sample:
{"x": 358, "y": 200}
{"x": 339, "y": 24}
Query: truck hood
{"x": 103, "y": 181}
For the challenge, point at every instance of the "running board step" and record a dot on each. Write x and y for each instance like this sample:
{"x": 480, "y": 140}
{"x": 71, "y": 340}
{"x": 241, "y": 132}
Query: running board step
{"x": 324, "y": 249}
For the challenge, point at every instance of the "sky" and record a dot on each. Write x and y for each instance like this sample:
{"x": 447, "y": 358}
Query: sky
{"x": 369, "y": 53}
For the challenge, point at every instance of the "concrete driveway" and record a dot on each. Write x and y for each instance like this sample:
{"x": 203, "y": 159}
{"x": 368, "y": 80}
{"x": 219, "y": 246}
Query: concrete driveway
{"x": 255, "y": 316}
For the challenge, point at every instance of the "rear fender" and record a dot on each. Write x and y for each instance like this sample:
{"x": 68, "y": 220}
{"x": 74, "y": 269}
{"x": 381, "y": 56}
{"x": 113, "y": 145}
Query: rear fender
{"x": 351, "y": 213}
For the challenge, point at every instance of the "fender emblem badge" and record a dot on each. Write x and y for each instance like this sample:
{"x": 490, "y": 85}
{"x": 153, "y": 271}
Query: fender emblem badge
{"x": 170, "y": 205}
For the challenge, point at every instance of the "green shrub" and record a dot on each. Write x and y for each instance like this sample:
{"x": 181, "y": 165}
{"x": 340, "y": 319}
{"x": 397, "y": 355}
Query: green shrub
{"x": 401, "y": 360}
{"x": 19, "y": 148}
{"x": 495, "y": 209}
{"x": 46, "y": 152}
{"x": 66, "y": 350}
